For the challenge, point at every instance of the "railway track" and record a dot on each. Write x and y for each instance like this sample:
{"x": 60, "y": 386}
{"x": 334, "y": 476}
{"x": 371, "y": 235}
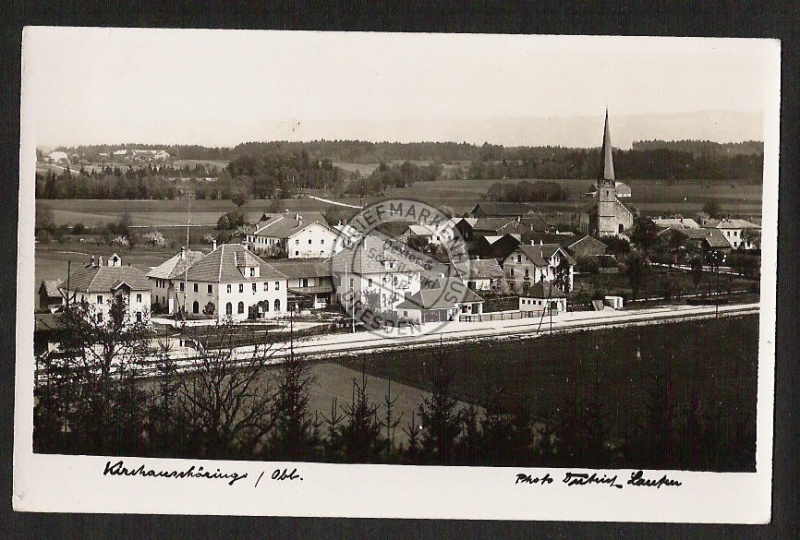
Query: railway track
{"x": 316, "y": 348}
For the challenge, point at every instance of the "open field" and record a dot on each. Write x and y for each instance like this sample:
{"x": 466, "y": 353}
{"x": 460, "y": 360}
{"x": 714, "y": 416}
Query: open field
{"x": 651, "y": 197}
{"x": 711, "y": 361}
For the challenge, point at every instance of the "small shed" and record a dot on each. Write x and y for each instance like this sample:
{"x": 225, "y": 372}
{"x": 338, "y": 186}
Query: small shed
{"x": 544, "y": 297}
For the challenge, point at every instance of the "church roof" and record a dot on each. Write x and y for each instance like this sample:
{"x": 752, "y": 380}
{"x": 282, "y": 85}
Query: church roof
{"x": 608, "y": 160}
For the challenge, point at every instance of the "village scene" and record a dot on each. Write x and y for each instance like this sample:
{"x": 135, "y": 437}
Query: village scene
{"x": 257, "y": 309}
{"x": 404, "y": 266}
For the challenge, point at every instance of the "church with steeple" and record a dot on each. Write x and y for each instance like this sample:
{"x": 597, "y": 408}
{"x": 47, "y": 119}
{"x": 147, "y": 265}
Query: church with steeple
{"x": 606, "y": 215}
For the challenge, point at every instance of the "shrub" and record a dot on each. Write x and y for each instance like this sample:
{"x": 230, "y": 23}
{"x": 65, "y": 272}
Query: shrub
{"x": 79, "y": 228}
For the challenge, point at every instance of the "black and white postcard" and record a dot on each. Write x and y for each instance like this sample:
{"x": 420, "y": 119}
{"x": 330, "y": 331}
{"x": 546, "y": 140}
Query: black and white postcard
{"x": 394, "y": 275}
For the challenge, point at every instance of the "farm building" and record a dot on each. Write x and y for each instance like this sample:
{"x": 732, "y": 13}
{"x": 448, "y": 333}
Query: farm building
{"x": 703, "y": 239}
{"x": 495, "y": 247}
{"x": 606, "y": 215}
{"x": 588, "y": 246}
{"x": 304, "y": 235}
{"x": 501, "y": 209}
{"x": 445, "y": 300}
{"x": 544, "y": 297}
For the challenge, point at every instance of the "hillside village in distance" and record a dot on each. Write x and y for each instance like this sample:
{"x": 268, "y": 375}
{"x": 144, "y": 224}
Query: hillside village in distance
{"x": 290, "y": 270}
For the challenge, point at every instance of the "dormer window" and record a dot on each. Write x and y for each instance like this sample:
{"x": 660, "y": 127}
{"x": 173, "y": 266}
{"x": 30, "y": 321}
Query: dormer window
{"x": 252, "y": 272}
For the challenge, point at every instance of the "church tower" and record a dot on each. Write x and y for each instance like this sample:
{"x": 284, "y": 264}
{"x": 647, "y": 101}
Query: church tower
{"x": 606, "y": 196}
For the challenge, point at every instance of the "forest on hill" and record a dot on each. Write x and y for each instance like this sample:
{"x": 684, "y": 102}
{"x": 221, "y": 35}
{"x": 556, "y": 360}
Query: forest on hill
{"x": 281, "y": 169}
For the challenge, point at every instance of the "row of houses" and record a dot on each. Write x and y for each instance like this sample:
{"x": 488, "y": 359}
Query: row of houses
{"x": 719, "y": 234}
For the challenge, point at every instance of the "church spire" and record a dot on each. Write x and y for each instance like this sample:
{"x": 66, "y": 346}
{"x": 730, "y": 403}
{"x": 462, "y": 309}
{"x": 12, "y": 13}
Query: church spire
{"x": 608, "y": 160}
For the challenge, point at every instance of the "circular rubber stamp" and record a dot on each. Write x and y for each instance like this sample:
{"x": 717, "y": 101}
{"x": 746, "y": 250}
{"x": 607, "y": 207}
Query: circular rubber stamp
{"x": 401, "y": 267}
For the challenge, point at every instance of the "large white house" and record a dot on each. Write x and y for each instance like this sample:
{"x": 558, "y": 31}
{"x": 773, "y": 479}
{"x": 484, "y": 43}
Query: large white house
{"x": 529, "y": 264}
{"x": 99, "y": 283}
{"x": 377, "y": 274}
{"x": 233, "y": 283}
{"x": 303, "y": 235}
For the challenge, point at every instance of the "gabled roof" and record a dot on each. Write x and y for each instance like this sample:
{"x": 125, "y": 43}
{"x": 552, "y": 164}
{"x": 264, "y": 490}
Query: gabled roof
{"x": 714, "y": 237}
{"x": 484, "y": 269}
{"x": 503, "y": 208}
{"x": 176, "y": 265}
{"x": 499, "y": 225}
{"x": 226, "y": 264}
{"x": 676, "y": 223}
{"x": 288, "y": 224}
{"x": 441, "y": 296}
{"x": 103, "y": 278}
{"x": 303, "y": 268}
{"x": 540, "y": 253}
{"x": 736, "y": 224}
{"x": 586, "y": 240}
{"x": 544, "y": 289}
{"x": 563, "y": 240}
{"x": 368, "y": 255}
{"x": 493, "y": 239}
{"x": 51, "y": 287}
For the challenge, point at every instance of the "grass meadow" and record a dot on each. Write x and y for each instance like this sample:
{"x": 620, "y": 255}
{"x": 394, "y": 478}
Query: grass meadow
{"x": 710, "y": 364}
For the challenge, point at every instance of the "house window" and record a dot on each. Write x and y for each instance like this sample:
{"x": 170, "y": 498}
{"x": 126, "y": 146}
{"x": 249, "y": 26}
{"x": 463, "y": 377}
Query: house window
{"x": 309, "y": 241}
{"x": 195, "y": 307}
{"x": 296, "y": 253}
{"x": 512, "y": 272}
{"x": 277, "y": 305}
{"x": 252, "y": 272}
{"x": 241, "y": 287}
{"x": 304, "y": 282}
{"x": 266, "y": 286}
{"x": 138, "y": 316}
{"x": 519, "y": 258}
{"x": 229, "y": 287}
{"x": 228, "y": 309}
{"x": 138, "y": 297}
{"x": 369, "y": 282}
{"x": 99, "y": 299}
{"x": 254, "y": 287}
{"x": 240, "y": 308}
{"x": 195, "y": 287}
{"x": 527, "y": 273}
{"x": 210, "y": 289}
{"x": 297, "y": 242}
{"x": 277, "y": 285}
{"x": 322, "y": 241}
{"x": 181, "y": 286}
{"x": 100, "y": 317}
{"x": 352, "y": 282}
{"x": 266, "y": 306}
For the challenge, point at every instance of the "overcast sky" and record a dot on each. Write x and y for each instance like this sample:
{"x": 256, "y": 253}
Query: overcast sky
{"x": 220, "y": 88}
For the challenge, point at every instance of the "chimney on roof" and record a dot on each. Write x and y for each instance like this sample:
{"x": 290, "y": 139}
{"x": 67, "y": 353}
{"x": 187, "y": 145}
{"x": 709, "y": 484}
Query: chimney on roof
{"x": 100, "y": 261}
{"x": 183, "y": 252}
{"x": 214, "y": 245}
{"x": 91, "y": 261}
{"x": 541, "y": 242}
